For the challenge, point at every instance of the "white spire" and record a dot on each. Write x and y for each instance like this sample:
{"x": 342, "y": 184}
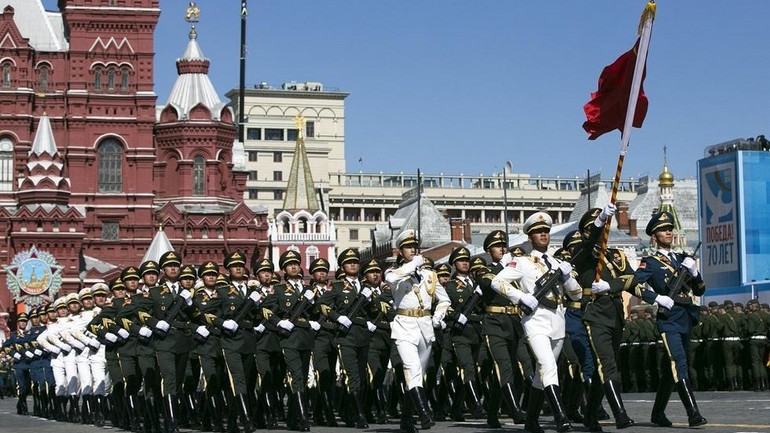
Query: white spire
{"x": 44, "y": 141}
{"x": 160, "y": 245}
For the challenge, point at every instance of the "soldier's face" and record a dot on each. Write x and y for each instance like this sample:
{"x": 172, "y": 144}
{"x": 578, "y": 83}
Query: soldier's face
{"x": 119, "y": 293}
{"x": 496, "y": 252}
{"x": 52, "y": 315}
{"x": 35, "y": 321}
{"x": 540, "y": 239}
{"x": 264, "y": 277}
{"x": 187, "y": 283}
{"x": 74, "y": 307}
{"x": 100, "y": 300}
{"x": 291, "y": 270}
{"x": 236, "y": 272}
{"x": 462, "y": 266}
{"x": 408, "y": 253}
{"x": 62, "y": 311}
{"x": 88, "y": 303}
{"x": 210, "y": 280}
{"x": 320, "y": 275}
{"x": 443, "y": 279}
{"x": 373, "y": 278}
{"x": 664, "y": 237}
{"x": 150, "y": 279}
{"x": 351, "y": 268}
{"x": 171, "y": 272}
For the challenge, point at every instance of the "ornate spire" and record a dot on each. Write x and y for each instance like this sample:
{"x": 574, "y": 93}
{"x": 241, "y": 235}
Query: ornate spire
{"x": 666, "y": 186}
{"x": 300, "y": 191}
{"x": 43, "y": 180}
{"x": 666, "y": 178}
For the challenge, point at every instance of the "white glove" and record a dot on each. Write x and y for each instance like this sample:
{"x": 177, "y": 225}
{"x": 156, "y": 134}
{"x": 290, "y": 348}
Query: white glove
{"x": 371, "y": 326}
{"x": 123, "y": 333}
{"x": 67, "y": 348}
{"x": 78, "y": 345}
{"x": 600, "y": 286}
{"x": 309, "y": 295}
{"x": 607, "y": 212}
{"x": 315, "y": 326}
{"x": 418, "y": 260}
{"x": 230, "y": 324}
{"x": 162, "y": 325}
{"x": 252, "y": 284}
{"x": 110, "y": 337}
{"x": 260, "y": 329}
{"x": 256, "y": 297}
{"x": 202, "y": 331}
{"x": 528, "y": 300}
{"x": 462, "y": 319}
{"x": 29, "y": 354}
{"x": 439, "y": 324}
{"x": 507, "y": 258}
{"x": 478, "y": 290}
{"x": 691, "y": 266}
{"x": 344, "y": 321}
{"x": 286, "y": 324}
{"x": 367, "y": 292}
{"x": 17, "y": 356}
{"x": 94, "y": 344}
{"x": 145, "y": 332}
{"x": 664, "y": 301}
{"x": 55, "y": 350}
{"x": 566, "y": 270}
{"x": 38, "y": 352}
{"x": 185, "y": 294}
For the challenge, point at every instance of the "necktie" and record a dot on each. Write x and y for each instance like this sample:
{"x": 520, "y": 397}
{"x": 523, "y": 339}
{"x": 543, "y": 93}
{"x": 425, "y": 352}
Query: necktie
{"x": 672, "y": 256}
{"x": 297, "y": 287}
{"x": 547, "y": 263}
{"x": 355, "y": 284}
{"x": 174, "y": 289}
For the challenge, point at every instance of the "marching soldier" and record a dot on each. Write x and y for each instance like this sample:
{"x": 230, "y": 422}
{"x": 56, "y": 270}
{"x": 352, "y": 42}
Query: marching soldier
{"x": 757, "y": 327}
{"x": 345, "y": 304}
{"x": 502, "y": 333}
{"x": 656, "y": 270}
{"x": 415, "y": 291}
{"x": 464, "y": 326}
{"x": 545, "y": 326}
{"x": 324, "y": 348}
{"x": 713, "y": 352}
{"x": 380, "y": 313}
{"x": 731, "y": 344}
{"x": 21, "y": 361}
{"x": 269, "y": 358}
{"x": 290, "y": 305}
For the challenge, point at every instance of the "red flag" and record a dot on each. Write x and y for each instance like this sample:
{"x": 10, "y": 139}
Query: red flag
{"x": 606, "y": 110}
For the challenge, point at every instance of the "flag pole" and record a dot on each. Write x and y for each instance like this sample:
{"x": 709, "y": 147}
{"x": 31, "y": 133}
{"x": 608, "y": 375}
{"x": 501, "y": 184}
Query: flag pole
{"x": 645, "y": 31}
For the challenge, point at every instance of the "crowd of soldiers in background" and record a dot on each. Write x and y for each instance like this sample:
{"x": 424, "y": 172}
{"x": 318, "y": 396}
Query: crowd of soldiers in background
{"x": 728, "y": 349}
{"x": 211, "y": 351}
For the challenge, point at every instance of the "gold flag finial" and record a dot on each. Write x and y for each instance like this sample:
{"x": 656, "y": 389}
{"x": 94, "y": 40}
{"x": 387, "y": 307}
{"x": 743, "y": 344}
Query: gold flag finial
{"x": 299, "y": 121}
{"x": 647, "y": 13}
{"x": 193, "y": 13}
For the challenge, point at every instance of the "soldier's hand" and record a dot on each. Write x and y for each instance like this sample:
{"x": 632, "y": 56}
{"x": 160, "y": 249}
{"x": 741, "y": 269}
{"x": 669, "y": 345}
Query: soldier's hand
{"x": 566, "y": 270}
{"x": 371, "y": 326}
{"x": 315, "y": 326}
{"x": 439, "y": 324}
{"x": 38, "y": 352}
{"x": 256, "y": 297}
{"x": 94, "y": 344}
{"x": 607, "y": 212}
{"x": 67, "y": 348}
{"x": 598, "y": 287}
{"x": 79, "y": 346}
{"x": 664, "y": 301}
{"x": 260, "y": 329}
{"x": 507, "y": 258}
{"x": 17, "y": 356}
{"x": 29, "y": 354}
{"x": 185, "y": 294}
{"x": 478, "y": 291}
{"x": 691, "y": 266}
{"x": 367, "y": 292}
{"x": 344, "y": 321}
{"x": 286, "y": 324}
{"x": 253, "y": 284}
{"x": 528, "y": 300}
{"x": 55, "y": 350}
{"x": 112, "y": 338}
{"x": 145, "y": 332}
{"x": 462, "y": 319}
{"x": 309, "y": 295}
{"x": 123, "y": 333}
{"x": 162, "y": 326}
{"x": 202, "y": 331}
{"x": 230, "y": 324}
{"x": 418, "y": 260}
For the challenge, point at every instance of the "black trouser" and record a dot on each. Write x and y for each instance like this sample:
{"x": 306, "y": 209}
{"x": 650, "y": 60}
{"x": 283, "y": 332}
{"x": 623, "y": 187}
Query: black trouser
{"x": 353, "y": 361}
{"x": 172, "y": 370}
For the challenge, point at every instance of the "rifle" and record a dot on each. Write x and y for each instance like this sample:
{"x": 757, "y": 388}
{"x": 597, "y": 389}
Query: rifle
{"x": 547, "y": 282}
{"x": 469, "y": 307}
{"x": 676, "y": 284}
{"x": 361, "y": 300}
{"x": 175, "y": 309}
{"x": 297, "y": 311}
{"x": 242, "y": 313}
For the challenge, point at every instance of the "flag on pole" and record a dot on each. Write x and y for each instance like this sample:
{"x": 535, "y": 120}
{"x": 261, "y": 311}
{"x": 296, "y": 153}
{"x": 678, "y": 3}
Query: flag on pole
{"x": 606, "y": 111}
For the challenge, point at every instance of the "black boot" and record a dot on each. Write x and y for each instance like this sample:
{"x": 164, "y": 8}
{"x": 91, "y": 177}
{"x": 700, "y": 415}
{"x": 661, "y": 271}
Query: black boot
{"x": 535, "y": 404}
{"x": 457, "y": 409}
{"x": 658, "y": 416}
{"x": 242, "y": 405}
{"x": 216, "y": 410}
{"x": 493, "y": 407}
{"x": 85, "y": 410}
{"x": 474, "y": 397}
{"x": 382, "y": 403}
{"x": 358, "y": 406}
{"x": 302, "y": 420}
{"x": 74, "y": 413}
{"x": 151, "y": 410}
{"x": 96, "y": 402}
{"x": 406, "y": 424}
{"x": 612, "y": 391}
{"x": 553, "y": 393}
{"x": 172, "y": 412}
{"x": 132, "y": 410}
{"x": 509, "y": 394}
{"x": 694, "y": 417}
{"x": 573, "y": 391}
{"x": 420, "y": 401}
{"x": 593, "y": 388}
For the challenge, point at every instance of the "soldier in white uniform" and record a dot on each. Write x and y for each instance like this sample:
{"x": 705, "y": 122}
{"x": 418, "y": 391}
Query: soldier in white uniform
{"x": 545, "y": 326}
{"x": 416, "y": 292}
{"x": 50, "y": 341}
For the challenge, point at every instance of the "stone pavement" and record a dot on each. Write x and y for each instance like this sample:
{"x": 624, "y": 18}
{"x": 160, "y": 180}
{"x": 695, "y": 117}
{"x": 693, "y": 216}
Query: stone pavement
{"x": 733, "y": 412}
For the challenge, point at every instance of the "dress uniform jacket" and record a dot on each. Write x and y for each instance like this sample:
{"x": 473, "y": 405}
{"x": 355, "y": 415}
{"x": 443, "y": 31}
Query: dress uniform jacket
{"x": 178, "y": 339}
{"x": 282, "y": 303}
{"x": 606, "y": 309}
{"x": 339, "y": 301}
{"x": 507, "y": 323}
{"x": 206, "y": 313}
{"x": 460, "y": 292}
{"x": 410, "y": 293}
{"x": 230, "y": 302}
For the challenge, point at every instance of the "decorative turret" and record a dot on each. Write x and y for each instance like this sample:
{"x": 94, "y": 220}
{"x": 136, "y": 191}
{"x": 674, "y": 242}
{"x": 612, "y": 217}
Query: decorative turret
{"x": 43, "y": 180}
{"x": 300, "y": 191}
{"x": 666, "y": 185}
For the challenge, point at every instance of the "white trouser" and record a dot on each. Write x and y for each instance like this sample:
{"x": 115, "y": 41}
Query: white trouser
{"x": 85, "y": 379}
{"x": 415, "y": 358}
{"x": 59, "y": 375}
{"x": 546, "y": 352}
{"x": 71, "y": 370}
{"x": 100, "y": 380}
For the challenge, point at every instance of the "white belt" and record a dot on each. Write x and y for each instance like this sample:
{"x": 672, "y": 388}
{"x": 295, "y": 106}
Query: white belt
{"x": 759, "y": 337}
{"x": 713, "y": 339}
{"x": 659, "y": 342}
{"x": 732, "y": 339}
{"x": 696, "y": 341}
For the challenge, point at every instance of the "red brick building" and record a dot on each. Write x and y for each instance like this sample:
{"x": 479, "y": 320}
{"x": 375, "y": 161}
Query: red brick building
{"x": 111, "y": 165}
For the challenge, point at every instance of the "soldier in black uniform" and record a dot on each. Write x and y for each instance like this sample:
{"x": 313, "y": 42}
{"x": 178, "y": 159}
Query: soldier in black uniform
{"x": 269, "y": 358}
{"x": 757, "y": 327}
{"x": 502, "y": 331}
{"x": 346, "y": 304}
{"x": 464, "y": 326}
{"x": 324, "y": 348}
{"x": 293, "y": 299}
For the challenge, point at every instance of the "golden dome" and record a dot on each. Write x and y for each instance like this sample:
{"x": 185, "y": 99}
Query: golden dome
{"x": 666, "y": 179}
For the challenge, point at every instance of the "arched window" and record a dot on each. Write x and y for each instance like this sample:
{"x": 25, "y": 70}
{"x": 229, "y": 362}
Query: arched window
{"x": 110, "y": 166}
{"x": 199, "y": 176}
{"x": 6, "y": 75}
{"x": 111, "y": 79}
{"x": 302, "y": 225}
{"x": 44, "y": 78}
{"x": 6, "y": 164}
{"x": 98, "y": 79}
{"x": 124, "y": 79}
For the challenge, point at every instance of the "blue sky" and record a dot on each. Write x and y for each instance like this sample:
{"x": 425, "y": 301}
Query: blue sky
{"x": 461, "y": 86}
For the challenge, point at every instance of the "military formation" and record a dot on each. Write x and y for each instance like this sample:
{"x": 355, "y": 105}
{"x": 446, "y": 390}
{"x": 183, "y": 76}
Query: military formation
{"x": 528, "y": 334}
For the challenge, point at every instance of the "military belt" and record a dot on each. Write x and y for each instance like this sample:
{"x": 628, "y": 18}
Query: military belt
{"x": 698, "y": 340}
{"x": 732, "y": 339}
{"x": 575, "y": 304}
{"x": 510, "y": 309}
{"x": 416, "y": 312}
{"x": 758, "y": 337}
{"x": 587, "y": 291}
